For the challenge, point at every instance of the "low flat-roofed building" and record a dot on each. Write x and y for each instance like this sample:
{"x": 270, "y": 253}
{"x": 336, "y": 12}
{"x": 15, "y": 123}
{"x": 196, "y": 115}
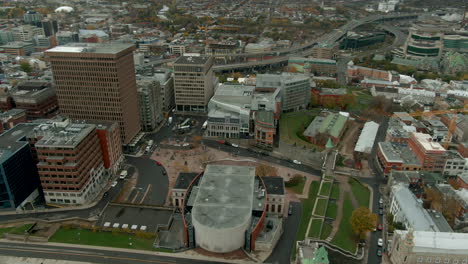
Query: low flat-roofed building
{"x": 18, "y": 48}
{"x": 11, "y": 118}
{"x": 366, "y": 138}
{"x": 455, "y": 164}
{"x": 393, "y": 156}
{"x": 317, "y": 66}
{"x": 38, "y": 98}
{"x": 414, "y": 247}
{"x": 408, "y": 210}
{"x": 327, "y": 96}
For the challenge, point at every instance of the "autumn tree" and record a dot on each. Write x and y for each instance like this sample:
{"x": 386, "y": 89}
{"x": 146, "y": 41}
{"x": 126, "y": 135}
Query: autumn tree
{"x": 265, "y": 170}
{"x": 329, "y": 102}
{"x": 362, "y": 221}
{"x": 25, "y": 66}
{"x": 295, "y": 180}
{"x": 314, "y": 99}
{"x": 348, "y": 100}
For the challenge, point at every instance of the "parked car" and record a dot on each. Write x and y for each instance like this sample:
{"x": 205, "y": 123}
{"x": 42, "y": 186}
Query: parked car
{"x": 379, "y": 252}
{"x": 159, "y": 163}
{"x": 297, "y": 162}
{"x": 381, "y": 200}
{"x": 380, "y": 227}
{"x": 380, "y": 242}
{"x": 105, "y": 195}
{"x": 380, "y": 211}
{"x": 114, "y": 184}
{"x": 164, "y": 172}
{"x": 235, "y": 145}
{"x": 290, "y": 211}
{"x": 221, "y": 142}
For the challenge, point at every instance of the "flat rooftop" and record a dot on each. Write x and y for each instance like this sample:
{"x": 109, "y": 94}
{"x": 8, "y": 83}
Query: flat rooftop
{"x": 195, "y": 60}
{"x": 425, "y": 140}
{"x": 102, "y": 48}
{"x": 438, "y": 242}
{"x": 274, "y": 185}
{"x": 225, "y": 196}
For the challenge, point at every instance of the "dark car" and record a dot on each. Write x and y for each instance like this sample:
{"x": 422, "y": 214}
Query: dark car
{"x": 380, "y": 211}
{"x": 290, "y": 211}
{"x": 164, "y": 172}
{"x": 379, "y": 252}
{"x": 105, "y": 195}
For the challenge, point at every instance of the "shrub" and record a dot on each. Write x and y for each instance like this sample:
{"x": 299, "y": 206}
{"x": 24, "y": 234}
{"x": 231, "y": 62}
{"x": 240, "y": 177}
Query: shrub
{"x": 295, "y": 180}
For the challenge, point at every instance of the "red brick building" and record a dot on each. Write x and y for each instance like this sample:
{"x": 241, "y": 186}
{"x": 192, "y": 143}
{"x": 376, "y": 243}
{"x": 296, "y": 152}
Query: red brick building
{"x": 360, "y": 73}
{"x": 327, "y": 95}
{"x": 463, "y": 149}
{"x": 430, "y": 154}
{"x": 396, "y": 157}
{"x": 462, "y": 181}
{"x": 70, "y": 161}
{"x": 110, "y": 142}
{"x": 265, "y": 129}
{"x": 12, "y": 117}
{"x": 38, "y": 98}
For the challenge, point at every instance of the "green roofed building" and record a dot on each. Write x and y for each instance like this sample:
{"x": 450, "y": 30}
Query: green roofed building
{"x": 326, "y": 126}
{"x": 311, "y": 253}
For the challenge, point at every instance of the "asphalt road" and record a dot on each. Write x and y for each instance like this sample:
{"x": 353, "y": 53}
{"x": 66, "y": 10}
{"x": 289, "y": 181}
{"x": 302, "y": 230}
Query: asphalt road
{"x": 245, "y": 153}
{"x": 152, "y": 185}
{"x": 374, "y": 183}
{"x": 88, "y": 255}
{"x": 282, "y": 251}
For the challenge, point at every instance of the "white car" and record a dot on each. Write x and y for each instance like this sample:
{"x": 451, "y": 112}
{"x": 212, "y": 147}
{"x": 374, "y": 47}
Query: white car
{"x": 380, "y": 242}
{"x": 235, "y": 145}
{"x": 114, "y": 184}
{"x": 297, "y": 162}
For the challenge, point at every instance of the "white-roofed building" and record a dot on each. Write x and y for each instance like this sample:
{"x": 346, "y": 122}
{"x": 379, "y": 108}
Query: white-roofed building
{"x": 413, "y": 247}
{"x": 408, "y": 210}
{"x": 367, "y": 138}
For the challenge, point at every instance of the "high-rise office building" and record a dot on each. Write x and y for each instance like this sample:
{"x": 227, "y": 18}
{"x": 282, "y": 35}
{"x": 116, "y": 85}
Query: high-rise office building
{"x": 149, "y": 100}
{"x": 193, "y": 83}
{"x": 19, "y": 178}
{"x": 97, "y": 82}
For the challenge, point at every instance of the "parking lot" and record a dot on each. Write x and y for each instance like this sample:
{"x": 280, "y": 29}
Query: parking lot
{"x": 139, "y": 216}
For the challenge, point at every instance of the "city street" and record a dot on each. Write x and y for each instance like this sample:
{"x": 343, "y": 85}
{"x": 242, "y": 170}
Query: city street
{"x": 282, "y": 252}
{"x": 89, "y": 255}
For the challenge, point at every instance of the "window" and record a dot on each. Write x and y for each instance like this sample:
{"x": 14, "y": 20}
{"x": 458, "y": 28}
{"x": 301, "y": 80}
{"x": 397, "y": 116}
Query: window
{"x": 446, "y": 261}
{"x": 428, "y": 260}
{"x": 437, "y": 260}
{"x": 420, "y": 259}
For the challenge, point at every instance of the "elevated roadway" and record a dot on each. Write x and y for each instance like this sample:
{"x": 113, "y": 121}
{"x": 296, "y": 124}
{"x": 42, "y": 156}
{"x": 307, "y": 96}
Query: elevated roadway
{"x": 282, "y": 55}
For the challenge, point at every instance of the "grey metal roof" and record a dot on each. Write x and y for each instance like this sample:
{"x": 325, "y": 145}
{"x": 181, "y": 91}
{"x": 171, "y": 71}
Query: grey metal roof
{"x": 225, "y": 196}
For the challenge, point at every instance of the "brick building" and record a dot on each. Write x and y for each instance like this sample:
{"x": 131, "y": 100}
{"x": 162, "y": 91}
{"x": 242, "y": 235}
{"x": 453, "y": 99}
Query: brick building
{"x": 70, "y": 164}
{"x": 97, "y": 82}
{"x": 431, "y": 154}
{"x": 327, "y": 95}
{"x": 11, "y": 118}
{"x": 38, "y": 98}
{"x": 360, "y": 73}
{"x": 326, "y": 126}
{"x": 265, "y": 129}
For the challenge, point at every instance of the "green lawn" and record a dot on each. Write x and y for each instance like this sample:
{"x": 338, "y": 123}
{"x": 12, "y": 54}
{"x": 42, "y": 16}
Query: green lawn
{"x": 299, "y": 188}
{"x": 292, "y": 124}
{"x": 5, "y": 230}
{"x": 307, "y": 207}
{"x": 335, "y": 192}
{"x": 315, "y": 227}
{"x": 20, "y": 230}
{"x": 321, "y": 207}
{"x": 326, "y": 230}
{"x": 363, "y": 99}
{"x": 106, "y": 239}
{"x": 331, "y": 210}
{"x": 344, "y": 238}
{"x": 325, "y": 190}
{"x": 360, "y": 192}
